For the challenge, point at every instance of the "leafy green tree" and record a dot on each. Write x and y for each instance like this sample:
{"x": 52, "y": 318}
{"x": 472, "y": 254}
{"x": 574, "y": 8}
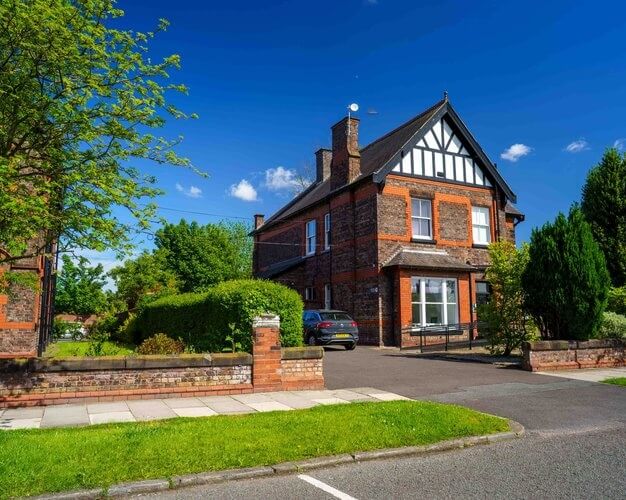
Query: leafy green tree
{"x": 80, "y": 103}
{"x": 566, "y": 281}
{"x": 604, "y": 206}
{"x": 617, "y": 300}
{"x": 202, "y": 256}
{"x": 143, "y": 279}
{"x": 80, "y": 288}
{"x": 504, "y": 316}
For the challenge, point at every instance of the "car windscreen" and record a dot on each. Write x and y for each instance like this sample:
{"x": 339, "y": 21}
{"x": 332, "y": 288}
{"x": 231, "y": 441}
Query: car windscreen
{"x": 335, "y": 316}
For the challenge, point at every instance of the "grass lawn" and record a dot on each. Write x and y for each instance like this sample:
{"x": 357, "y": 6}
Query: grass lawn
{"x": 47, "y": 460}
{"x": 616, "y": 381}
{"x": 66, "y": 349}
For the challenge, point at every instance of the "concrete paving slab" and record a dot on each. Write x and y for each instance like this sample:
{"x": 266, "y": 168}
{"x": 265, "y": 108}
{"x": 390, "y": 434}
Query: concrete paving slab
{"x": 174, "y": 403}
{"x": 20, "y": 423}
{"x": 367, "y": 390}
{"x": 269, "y": 406}
{"x": 107, "y": 407}
{"x": 215, "y": 399}
{"x": 150, "y": 409}
{"x": 65, "y": 416}
{"x": 352, "y": 396}
{"x": 111, "y": 417}
{"x": 23, "y": 413}
{"x": 227, "y": 407}
{"x": 330, "y": 401}
{"x": 389, "y": 396}
{"x": 252, "y": 398}
{"x": 195, "y": 411}
{"x": 292, "y": 399}
{"x": 591, "y": 375}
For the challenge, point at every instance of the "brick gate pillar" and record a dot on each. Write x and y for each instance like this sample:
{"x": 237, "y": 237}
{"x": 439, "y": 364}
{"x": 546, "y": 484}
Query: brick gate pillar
{"x": 266, "y": 353}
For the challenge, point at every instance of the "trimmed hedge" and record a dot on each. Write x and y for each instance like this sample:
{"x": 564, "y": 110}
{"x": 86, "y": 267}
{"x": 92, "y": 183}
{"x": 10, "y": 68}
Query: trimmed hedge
{"x": 209, "y": 321}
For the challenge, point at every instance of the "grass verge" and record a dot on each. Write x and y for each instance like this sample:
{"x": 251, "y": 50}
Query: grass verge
{"x": 50, "y": 460}
{"x": 616, "y": 381}
{"x": 65, "y": 349}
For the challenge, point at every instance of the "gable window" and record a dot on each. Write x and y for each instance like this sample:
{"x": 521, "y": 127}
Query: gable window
{"x": 421, "y": 218}
{"x": 310, "y": 237}
{"x": 309, "y": 293}
{"x": 481, "y": 229}
{"x": 326, "y": 231}
{"x": 327, "y": 296}
{"x": 434, "y": 301}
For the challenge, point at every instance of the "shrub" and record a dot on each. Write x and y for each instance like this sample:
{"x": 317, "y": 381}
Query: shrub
{"x": 206, "y": 321}
{"x": 566, "y": 280}
{"x": 617, "y": 300}
{"x": 504, "y": 316}
{"x": 161, "y": 344}
{"x": 613, "y": 326}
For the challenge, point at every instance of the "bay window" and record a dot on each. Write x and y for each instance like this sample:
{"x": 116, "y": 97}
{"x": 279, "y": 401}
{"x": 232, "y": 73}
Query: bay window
{"x": 434, "y": 301}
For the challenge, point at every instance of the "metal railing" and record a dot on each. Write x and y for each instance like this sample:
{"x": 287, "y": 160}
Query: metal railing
{"x": 447, "y": 331}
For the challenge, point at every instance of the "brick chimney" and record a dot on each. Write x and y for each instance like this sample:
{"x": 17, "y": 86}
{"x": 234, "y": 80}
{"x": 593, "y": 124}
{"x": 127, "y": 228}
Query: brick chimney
{"x": 258, "y": 220}
{"x": 346, "y": 162}
{"x": 323, "y": 159}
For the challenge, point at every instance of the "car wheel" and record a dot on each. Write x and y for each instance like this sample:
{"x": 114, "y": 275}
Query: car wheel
{"x": 351, "y": 347}
{"x": 311, "y": 340}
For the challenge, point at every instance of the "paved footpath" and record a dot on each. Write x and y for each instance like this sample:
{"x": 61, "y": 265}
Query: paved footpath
{"x": 154, "y": 409}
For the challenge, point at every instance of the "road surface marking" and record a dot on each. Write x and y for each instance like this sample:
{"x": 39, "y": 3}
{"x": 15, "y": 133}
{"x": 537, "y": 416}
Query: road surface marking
{"x": 323, "y": 486}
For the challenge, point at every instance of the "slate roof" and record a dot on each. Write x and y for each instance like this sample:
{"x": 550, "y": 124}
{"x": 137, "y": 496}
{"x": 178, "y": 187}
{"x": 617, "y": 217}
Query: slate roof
{"x": 281, "y": 267}
{"x": 374, "y": 156}
{"x": 511, "y": 209}
{"x": 427, "y": 260}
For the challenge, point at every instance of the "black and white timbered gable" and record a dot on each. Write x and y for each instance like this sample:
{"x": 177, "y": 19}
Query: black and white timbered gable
{"x": 443, "y": 149}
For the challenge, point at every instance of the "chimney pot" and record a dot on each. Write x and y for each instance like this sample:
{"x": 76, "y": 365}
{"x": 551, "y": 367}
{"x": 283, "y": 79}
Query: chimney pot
{"x": 258, "y": 220}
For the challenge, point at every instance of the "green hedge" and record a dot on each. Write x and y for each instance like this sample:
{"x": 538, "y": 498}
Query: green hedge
{"x": 206, "y": 320}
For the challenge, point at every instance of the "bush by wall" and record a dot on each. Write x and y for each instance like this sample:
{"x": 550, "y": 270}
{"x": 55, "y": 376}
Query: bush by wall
{"x": 613, "y": 326}
{"x": 208, "y": 321}
{"x": 161, "y": 344}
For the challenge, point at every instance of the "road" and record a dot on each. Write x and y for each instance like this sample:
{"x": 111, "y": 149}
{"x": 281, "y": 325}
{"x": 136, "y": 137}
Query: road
{"x": 575, "y": 446}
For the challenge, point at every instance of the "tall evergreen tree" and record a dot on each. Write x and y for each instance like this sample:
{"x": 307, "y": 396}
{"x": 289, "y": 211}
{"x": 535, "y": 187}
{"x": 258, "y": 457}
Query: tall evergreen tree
{"x": 604, "y": 206}
{"x": 566, "y": 281}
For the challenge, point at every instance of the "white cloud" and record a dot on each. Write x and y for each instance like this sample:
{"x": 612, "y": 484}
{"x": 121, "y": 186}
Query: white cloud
{"x": 192, "y": 192}
{"x": 515, "y": 152}
{"x": 279, "y": 178}
{"x": 619, "y": 144}
{"x": 577, "y": 146}
{"x": 244, "y": 191}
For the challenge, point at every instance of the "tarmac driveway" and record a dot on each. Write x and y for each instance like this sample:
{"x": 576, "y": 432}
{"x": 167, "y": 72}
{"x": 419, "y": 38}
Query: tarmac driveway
{"x": 539, "y": 402}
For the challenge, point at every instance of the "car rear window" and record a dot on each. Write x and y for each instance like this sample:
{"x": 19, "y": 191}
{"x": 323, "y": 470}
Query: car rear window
{"x": 335, "y": 316}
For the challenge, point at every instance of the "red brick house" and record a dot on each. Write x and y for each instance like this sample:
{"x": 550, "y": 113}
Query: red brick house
{"x": 26, "y": 313}
{"x": 396, "y": 232}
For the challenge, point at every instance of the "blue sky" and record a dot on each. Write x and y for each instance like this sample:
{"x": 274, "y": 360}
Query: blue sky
{"x": 269, "y": 78}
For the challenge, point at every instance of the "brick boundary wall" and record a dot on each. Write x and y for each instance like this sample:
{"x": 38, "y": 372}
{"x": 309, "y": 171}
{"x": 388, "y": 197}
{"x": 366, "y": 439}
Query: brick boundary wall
{"x": 49, "y": 381}
{"x": 551, "y": 355}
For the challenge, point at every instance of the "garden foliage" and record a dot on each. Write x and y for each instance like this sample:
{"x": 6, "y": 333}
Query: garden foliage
{"x": 566, "y": 281}
{"x": 206, "y": 321}
{"x": 161, "y": 344}
{"x": 506, "y": 321}
{"x": 613, "y": 326}
{"x": 617, "y": 300}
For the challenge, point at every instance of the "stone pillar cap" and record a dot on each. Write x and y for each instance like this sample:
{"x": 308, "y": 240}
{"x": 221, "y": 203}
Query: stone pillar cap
{"x": 266, "y": 321}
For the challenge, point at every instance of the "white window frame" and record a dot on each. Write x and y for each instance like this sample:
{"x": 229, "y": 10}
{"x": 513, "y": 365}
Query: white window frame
{"x": 327, "y": 296}
{"x": 311, "y": 239}
{"x": 309, "y": 293}
{"x": 420, "y": 217}
{"x": 475, "y": 225}
{"x": 444, "y": 298}
{"x": 327, "y": 231}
